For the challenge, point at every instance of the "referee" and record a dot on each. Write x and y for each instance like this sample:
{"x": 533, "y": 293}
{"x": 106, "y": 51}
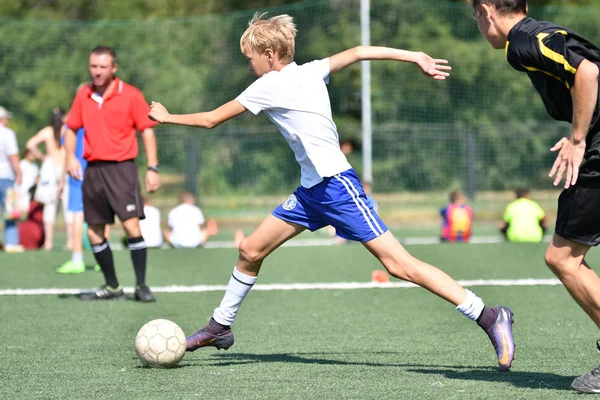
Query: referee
{"x": 111, "y": 111}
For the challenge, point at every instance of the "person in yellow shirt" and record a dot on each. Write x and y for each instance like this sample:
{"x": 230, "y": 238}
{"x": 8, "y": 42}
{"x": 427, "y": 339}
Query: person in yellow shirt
{"x": 524, "y": 219}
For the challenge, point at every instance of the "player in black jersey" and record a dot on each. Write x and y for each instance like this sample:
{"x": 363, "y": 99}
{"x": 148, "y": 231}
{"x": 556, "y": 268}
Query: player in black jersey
{"x": 564, "y": 69}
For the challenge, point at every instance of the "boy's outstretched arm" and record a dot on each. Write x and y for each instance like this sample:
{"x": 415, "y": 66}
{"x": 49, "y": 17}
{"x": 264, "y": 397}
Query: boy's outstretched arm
{"x": 208, "y": 120}
{"x": 433, "y": 68}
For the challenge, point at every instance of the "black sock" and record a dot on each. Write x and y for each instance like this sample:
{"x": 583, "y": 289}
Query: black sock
{"x": 104, "y": 258}
{"x": 487, "y": 318}
{"x": 215, "y": 328}
{"x": 139, "y": 255}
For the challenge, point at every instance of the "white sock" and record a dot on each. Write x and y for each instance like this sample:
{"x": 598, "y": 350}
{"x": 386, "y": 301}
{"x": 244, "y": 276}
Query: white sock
{"x": 237, "y": 289}
{"x": 77, "y": 257}
{"x": 471, "y": 307}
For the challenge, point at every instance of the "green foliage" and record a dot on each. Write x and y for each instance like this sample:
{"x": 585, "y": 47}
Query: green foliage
{"x": 193, "y": 62}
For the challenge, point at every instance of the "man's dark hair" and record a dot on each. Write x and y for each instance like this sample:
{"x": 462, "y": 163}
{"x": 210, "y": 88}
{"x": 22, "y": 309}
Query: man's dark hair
{"x": 522, "y": 192}
{"x": 503, "y": 6}
{"x": 99, "y": 50}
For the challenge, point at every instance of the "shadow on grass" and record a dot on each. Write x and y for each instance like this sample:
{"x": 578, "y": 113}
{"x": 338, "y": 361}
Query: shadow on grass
{"x": 519, "y": 379}
{"x": 224, "y": 360}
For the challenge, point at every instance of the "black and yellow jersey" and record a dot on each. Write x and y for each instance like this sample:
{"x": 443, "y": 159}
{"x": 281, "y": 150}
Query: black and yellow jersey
{"x": 550, "y": 55}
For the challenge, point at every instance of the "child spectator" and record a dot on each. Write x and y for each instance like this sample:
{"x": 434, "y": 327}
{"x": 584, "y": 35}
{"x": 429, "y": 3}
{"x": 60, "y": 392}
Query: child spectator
{"x": 457, "y": 219}
{"x": 31, "y": 231}
{"x": 29, "y": 171}
{"x": 524, "y": 219}
{"x": 186, "y": 223}
{"x": 150, "y": 226}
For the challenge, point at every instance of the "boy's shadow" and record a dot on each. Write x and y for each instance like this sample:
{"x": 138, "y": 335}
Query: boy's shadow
{"x": 519, "y": 379}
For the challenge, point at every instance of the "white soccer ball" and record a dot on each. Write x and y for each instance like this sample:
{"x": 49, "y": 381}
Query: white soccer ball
{"x": 160, "y": 343}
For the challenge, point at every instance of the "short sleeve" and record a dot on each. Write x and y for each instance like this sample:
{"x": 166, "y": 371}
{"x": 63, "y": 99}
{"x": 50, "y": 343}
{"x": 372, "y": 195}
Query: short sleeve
{"x": 170, "y": 219}
{"x": 12, "y": 148}
{"x": 444, "y": 212}
{"x": 199, "y": 216}
{"x": 257, "y": 97}
{"x": 508, "y": 214}
{"x": 75, "y": 118}
{"x": 140, "y": 110}
{"x": 539, "y": 212}
{"x": 319, "y": 67}
{"x": 552, "y": 54}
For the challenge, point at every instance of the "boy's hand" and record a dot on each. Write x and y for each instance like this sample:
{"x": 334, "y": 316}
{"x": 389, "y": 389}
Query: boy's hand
{"x": 568, "y": 160}
{"x": 158, "y": 112}
{"x": 433, "y": 68}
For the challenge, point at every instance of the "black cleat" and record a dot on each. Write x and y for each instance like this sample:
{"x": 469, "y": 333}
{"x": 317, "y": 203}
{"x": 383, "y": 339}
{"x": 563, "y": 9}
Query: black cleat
{"x": 143, "y": 294}
{"x": 588, "y": 383}
{"x": 103, "y": 293}
{"x": 223, "y": 339}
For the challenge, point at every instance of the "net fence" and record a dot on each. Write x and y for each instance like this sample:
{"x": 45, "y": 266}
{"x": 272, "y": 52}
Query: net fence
{"x": 483, "y": 129}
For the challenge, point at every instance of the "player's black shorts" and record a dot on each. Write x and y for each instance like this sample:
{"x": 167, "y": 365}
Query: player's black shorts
{"x": 110, "y": 188}
{"x": 578, "y": 216}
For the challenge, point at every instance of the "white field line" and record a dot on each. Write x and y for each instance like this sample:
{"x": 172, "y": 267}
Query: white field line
{"x": 425, "y": 240}
{"x": 291, "y": 286}
{"x": 415, "y": 240}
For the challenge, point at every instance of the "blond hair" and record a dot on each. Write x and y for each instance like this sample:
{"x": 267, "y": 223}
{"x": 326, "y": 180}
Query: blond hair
{"x": 277, "y": 33}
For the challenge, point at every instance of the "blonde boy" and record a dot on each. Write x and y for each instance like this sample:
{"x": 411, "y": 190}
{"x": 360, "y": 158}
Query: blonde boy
{"x": 295, "y": 98}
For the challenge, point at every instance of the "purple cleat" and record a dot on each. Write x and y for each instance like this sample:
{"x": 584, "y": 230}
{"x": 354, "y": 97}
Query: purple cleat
{"x": 213, "y": 334}
{"x": 499, "y": 330}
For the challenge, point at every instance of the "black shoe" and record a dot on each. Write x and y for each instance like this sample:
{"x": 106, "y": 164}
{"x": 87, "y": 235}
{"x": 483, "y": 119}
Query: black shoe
{"x": 590, "y": 382}
{"x": 203, "y": 338}
{"x": 143, "y": 294}
{"x": 103, "y": 293}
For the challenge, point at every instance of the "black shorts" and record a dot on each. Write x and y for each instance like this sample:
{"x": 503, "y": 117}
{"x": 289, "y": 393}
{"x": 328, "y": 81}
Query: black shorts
{"x": 578, "y": 216}
{"x": 110, "y": 188}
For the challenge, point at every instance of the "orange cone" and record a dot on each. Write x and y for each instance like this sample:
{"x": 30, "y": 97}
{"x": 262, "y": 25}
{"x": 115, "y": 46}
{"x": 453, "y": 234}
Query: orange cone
{"x": 378, "y": 276}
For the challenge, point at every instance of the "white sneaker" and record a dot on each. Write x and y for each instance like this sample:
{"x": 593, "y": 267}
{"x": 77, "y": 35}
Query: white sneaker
{"x": 15, "y": 248}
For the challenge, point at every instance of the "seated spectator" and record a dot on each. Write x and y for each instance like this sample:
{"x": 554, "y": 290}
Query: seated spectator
{"x": 31, "y": 231}
{"x": 150, "y": 226}
{"x": 524, "y": 219}
{"x": 457, "y": 219}
{"x": 29, "y": 171}
{"x": 186, "y": 222}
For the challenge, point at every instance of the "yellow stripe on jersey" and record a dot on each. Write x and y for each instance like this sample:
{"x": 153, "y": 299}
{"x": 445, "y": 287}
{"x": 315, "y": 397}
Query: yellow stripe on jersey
{"x": 551, "y": 54}
{"x": 534, "y": 69}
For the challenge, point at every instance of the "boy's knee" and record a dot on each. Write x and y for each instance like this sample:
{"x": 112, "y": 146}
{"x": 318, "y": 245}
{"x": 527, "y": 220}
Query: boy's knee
{"x": 401, "y": 268}
{"x": 249, "y": 253}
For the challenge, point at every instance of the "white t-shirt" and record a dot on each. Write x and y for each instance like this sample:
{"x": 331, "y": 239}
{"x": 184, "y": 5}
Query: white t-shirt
{"x": 185, "y": 221}
{"x": 150, "y": 227}
{"x": 8, "y": 147}
{"x": 29, "y": 173}
{"x": 297, "y": 101}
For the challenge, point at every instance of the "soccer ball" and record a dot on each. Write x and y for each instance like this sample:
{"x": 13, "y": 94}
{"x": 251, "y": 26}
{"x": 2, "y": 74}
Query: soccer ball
{"x": 160, "y": 343}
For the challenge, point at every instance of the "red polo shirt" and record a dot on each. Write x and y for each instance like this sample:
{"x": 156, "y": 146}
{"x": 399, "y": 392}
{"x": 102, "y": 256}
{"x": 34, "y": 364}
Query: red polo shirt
{"x": 110, "y": 124}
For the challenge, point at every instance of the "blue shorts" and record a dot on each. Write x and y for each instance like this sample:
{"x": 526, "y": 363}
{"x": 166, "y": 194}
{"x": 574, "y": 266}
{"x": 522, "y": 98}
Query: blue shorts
{"x": 338, "y": 201}
{"x": 75, "y": 199}
{"x": 75, "y": 189}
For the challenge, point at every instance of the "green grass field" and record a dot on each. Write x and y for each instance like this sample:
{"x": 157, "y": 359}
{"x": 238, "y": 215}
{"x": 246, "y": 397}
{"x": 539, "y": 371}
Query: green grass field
{"x": 401, "y": 343}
